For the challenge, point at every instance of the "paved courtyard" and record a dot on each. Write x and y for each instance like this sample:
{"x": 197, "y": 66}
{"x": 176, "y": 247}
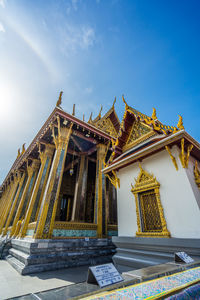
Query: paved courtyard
{"x": 12, "y": 284}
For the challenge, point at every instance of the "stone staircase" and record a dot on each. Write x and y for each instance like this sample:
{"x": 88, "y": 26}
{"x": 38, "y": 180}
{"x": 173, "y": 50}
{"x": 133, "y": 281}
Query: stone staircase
{"x": 30, "y": 256}
{"x": 5, "y": 245}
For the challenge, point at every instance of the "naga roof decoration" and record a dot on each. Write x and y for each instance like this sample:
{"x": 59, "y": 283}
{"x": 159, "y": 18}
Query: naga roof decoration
{"x": 109, "y": 123}
{"x": 137, "y": 127}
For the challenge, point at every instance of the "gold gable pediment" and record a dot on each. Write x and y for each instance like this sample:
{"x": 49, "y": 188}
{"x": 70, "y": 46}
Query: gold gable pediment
{"x": 107, "y": 126}
{"x": 138, "y": 133}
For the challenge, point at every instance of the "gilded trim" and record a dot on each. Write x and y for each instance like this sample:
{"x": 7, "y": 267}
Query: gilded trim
{"x": 74, "y": 225}
{"x": 139, "y": 140}
{"x": 197, "y": 175}
{"x": 146, "y": 182}
{"x": 184, "y": 158}
{"x": 172, "y": 157}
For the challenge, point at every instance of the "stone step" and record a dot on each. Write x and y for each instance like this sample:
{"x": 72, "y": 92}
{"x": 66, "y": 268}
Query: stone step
{"x": 19, "y": 255}
{"x": 15, "y": 263}
{"x": 153, "y": 255}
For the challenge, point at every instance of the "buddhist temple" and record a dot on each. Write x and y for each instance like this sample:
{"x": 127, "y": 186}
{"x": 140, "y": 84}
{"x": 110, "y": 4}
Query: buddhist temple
{"x": 156, "y": 171}
{"x": 56, "y": 205}
{"x": 89, "y": 192}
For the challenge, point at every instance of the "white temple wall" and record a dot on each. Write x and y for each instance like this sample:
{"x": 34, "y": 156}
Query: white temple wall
{"x": 190, "y": 175}
{"x": 179, "y": 203}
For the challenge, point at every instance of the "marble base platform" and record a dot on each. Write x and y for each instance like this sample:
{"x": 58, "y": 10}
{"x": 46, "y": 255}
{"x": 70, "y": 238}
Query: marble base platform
{"x": 138, "y": 252}
{"x": 29, "y": 256}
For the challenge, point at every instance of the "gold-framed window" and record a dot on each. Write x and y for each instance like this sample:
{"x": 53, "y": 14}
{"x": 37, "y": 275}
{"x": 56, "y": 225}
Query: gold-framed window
{"x": 150, "y": 216}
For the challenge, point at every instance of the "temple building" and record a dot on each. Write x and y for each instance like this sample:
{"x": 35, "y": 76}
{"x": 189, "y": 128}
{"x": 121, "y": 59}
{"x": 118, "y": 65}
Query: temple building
{"x": 56, "y": 204}
{"x": 156, "y": 170}
{"x": 82, "y": 189}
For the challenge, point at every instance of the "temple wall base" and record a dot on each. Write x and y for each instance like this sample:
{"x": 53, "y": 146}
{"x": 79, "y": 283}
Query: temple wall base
{"x": 138, "y": 252}
{"x": 30, "y": 256}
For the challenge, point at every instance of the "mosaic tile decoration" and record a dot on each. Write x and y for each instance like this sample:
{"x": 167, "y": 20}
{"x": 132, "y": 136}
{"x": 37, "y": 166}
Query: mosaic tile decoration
{"x": 152, "y": 289}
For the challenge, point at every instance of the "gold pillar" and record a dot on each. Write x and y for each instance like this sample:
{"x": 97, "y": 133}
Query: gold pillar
{"x": 79, "y": 204}
{"x": 40, "y": 184}
{"x": 46, "y": 217}
{"x": 9, "y": 199}
{"x": 32, "y": 171}
{"x": 15, "y": 202}
{"x": 100, "y": 194}
{"x": 4, "y": 199}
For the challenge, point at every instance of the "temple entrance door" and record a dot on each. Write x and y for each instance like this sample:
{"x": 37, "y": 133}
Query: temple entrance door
{"x": 66, "y": 208}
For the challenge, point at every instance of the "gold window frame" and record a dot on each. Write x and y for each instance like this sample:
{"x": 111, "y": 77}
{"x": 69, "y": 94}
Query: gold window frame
{"x": 146, "y": 182}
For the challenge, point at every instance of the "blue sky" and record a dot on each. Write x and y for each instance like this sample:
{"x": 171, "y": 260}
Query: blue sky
{"x": 94, "y": 50}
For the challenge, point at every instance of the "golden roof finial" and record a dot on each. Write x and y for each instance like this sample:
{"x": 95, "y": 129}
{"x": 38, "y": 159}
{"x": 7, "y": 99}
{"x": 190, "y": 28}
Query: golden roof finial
{"x": 180, "y": 123}
{"x": 23, "y": 148}
{"x": 73, "y": 113}
{"x": 154, "y": 117}
{"x": 83, "y": 118}
{"x": 126, "y": 105}
{"x": 114, "y": 103}
{"x": 18, "y": 155}
{"x": 59, "y": 99}
{"x": 100, "y": 111}
{"x": 90, "y": 119}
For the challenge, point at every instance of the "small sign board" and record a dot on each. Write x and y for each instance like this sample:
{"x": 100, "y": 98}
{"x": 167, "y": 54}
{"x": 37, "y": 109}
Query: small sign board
{"x": 103, "y": 275}
{"x": 183, "y": 257}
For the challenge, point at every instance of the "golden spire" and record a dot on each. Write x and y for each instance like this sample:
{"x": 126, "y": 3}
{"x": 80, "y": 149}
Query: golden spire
{"x": 126, "y": 105}
{"x": 100, "y": 111}
{"x": 154, "y": 117}
{"x": 83, "y": 118}
{"x": 59, "y": 99}
{"x": 114, "y": 103}
{"x": 73, "y": 113}
{"x": 23, "y": 148}
{"x": 180, "y": 123}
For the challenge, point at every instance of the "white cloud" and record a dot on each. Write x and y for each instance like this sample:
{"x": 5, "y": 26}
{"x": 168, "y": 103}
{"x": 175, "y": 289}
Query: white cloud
{"x": 2, "y": 3}
{"x": 88, "y": 37}
{"x": 2, "y": 29}
{"x": 75, "y": 38}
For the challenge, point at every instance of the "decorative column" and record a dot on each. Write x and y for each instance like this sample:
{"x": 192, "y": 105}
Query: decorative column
{"x": 4, "y": 199}
{"x": 46, "y": 217}
{"x": 16, "y": 198}
{"x": 78, "y": 213}
{"x": 9, "y": 198}
{"x": 32, "y": 171}
{"x": 40, "y": 184}
{"x": 100, "y": 193}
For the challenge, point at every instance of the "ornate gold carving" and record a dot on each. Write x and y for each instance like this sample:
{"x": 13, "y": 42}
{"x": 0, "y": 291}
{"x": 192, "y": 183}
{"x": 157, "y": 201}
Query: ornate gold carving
{"x": 107, "y": 126}
{"x": 58, "y": 103}
{"x": 74, "y": 225}
{"x": 112, "y": 227}
{"x": 99, "y": 115}
{"x": 180, "y": 123}
{"x": 114, "y": 179}
{"x": 184, "y": 158}
{"x": 18, "y": 153}
{"x": 90, "y": 119}
{"x": 23, "y": 148}
{"x": 114, "y": 103}
{"x": 197, "y": 175}
{"x": 139, "y": 133}
{"x": 172, "y": 157}
{"x": 146, "y": 182}
{"x": 154, "y": 117}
